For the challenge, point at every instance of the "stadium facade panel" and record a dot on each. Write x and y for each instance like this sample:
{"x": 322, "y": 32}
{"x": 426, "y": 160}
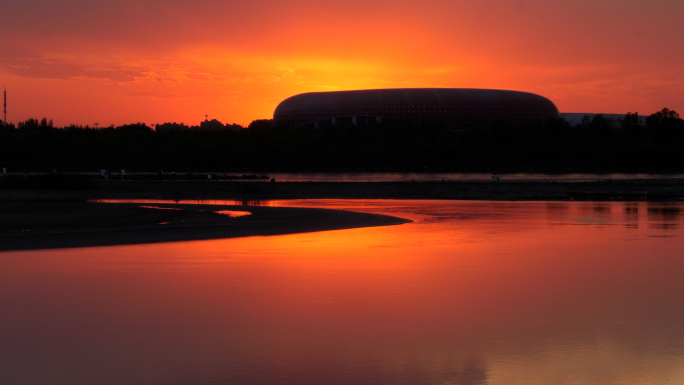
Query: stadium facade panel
{"x": 452, "y": 106}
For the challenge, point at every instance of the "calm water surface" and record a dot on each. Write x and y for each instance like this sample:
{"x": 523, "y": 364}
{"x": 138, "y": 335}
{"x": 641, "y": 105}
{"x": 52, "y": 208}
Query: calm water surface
{"x": 438, "y": 177}
{"x": 460, "y": 177}
{"x": 470, "y": 293}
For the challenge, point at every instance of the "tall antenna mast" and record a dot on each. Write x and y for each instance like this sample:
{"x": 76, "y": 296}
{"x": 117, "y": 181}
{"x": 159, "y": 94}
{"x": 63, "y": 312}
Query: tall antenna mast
{"x": 4, "y": 109}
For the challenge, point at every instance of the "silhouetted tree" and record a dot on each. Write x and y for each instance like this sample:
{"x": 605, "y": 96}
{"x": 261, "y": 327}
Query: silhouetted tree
{"x": 9, "y": 126}
{"x": 600, "y": 127}
{"x": 261, "y": 123}
{"x": 28, "y": 124}
{"x": 211, "y": 125}
{"x": 666, "y": 113}
{"x": 136, "y": 127}
{"x": 170, "y": 127}
{"x": 664, "y": 124}
{"x": 630, "y": 121}
{"x": 44, "y": 123}
{"x": 663, "y": 119}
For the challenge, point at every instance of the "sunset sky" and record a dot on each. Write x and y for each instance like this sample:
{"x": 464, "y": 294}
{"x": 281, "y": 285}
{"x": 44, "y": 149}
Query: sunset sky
{"x": 127, "y": 61}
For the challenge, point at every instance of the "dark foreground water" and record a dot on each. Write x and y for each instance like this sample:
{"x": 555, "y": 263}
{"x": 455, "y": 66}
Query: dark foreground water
{"x": 470, "y": 293}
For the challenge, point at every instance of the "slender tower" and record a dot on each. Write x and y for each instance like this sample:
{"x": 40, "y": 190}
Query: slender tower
{"x": 4, "y": 109}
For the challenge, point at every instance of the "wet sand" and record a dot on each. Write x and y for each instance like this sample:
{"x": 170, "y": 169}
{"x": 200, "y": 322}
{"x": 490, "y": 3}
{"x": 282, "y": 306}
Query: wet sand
{"x": 53, "y": 224}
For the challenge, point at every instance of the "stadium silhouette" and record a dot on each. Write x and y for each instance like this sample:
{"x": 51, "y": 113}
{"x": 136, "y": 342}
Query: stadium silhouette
{"x": 449, "y": 106}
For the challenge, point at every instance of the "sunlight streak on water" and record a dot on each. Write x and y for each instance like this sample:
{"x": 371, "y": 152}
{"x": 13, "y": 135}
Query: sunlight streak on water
{"x": 233, "y": 214}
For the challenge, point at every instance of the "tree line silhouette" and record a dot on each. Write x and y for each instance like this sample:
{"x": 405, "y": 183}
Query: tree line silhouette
{"x": 596, "y": 144}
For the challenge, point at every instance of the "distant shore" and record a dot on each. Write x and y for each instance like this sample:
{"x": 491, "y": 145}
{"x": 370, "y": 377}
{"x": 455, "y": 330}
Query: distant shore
{"x": 666, "y": 189}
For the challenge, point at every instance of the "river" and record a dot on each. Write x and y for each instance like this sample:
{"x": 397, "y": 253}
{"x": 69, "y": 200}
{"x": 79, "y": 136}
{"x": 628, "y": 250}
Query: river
{"x": 498, "y": 293}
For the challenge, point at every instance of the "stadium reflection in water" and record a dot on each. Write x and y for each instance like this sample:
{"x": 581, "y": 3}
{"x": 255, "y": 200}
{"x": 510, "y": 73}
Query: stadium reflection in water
{"x": 470, "y": 293}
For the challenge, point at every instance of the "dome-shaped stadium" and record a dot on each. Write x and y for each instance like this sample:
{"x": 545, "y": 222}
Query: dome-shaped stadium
{"x": 451, "y": 106}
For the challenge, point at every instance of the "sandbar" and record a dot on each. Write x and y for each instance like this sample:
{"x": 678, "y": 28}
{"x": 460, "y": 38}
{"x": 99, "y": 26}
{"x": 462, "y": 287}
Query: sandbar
{"x": 26, "y": 225}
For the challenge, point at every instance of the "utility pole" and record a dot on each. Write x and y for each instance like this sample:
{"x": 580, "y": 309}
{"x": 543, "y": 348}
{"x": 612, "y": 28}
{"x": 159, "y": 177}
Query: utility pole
{"x": 4, "y": 109}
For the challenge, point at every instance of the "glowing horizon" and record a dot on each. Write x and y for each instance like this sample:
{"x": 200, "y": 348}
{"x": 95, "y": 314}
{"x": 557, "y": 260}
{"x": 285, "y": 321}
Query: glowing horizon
{"x": 157, "y": 62}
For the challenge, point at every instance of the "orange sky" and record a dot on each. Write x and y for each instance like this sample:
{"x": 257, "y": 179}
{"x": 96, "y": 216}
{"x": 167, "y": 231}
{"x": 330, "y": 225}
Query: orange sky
{"x": 125, "y": 61}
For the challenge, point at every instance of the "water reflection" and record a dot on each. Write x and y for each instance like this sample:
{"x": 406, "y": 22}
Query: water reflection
{"x": 631, "y": 217}
{"x": 664, "y": 216}
{"x": 241, "y": 202}
{"x": 250, "y": 202}
{"x": 470, "y": 293}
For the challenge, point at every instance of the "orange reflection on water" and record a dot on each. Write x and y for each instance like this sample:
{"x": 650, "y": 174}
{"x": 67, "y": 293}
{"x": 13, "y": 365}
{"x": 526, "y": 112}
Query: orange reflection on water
{"x": 494, "y": 292}
{"x": 161, "y": 208}
{"x": 233, "y": 214}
